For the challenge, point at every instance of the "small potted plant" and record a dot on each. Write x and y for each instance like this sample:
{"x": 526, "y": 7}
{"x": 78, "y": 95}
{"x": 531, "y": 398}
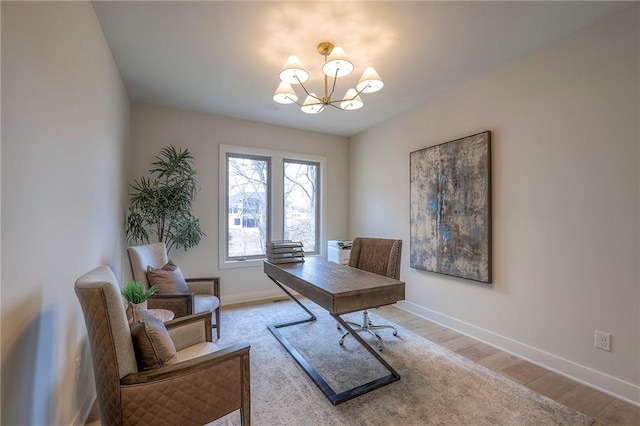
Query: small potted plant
{"x": 135, "y": 294}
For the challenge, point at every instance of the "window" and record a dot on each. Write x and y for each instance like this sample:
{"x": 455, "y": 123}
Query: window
{"x": 300, "y": 202}
{"x": 268, "y": 195}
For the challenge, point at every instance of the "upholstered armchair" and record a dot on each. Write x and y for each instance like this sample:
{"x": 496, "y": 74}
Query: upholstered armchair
{"x": 202, "y": 383}
{"x": 380, "y": 256}
{"x": 203, "y": 294}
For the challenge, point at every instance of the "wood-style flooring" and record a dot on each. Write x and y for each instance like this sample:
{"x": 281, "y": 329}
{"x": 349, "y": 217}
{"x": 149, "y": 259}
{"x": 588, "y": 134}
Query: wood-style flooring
{"x": 605, "y": 409}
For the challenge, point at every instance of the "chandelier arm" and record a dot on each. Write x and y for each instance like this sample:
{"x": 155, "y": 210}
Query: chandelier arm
{"x": 307, "y": 92}
{"x": 358, "y": 92}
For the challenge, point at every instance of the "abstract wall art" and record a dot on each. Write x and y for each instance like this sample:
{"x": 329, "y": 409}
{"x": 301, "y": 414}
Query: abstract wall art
{"x": 451, "y": 208}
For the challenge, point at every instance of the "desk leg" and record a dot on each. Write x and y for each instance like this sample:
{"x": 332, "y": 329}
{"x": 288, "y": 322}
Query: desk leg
{"x": 335, "y": 398}
{"x": 394, "y": 374}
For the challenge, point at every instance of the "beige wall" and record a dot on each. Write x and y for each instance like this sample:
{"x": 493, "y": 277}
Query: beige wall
{"x": 64, "y": 152}
{"x": 153, "y": 128}
{"x": 565, "y": 203}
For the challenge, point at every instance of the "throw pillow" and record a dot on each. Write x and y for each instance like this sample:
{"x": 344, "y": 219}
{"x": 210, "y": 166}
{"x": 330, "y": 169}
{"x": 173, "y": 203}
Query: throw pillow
{"x": 152, "y": 344}
{"x": 169, "y": 279}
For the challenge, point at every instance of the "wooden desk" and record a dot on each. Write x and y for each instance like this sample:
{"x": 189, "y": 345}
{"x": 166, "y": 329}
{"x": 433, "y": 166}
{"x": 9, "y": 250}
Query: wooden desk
{"x": 339, "y": 289}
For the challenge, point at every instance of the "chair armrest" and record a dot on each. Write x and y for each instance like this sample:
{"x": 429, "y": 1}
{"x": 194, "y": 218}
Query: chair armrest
{"x": 204, "y": 285}
{"x": 168, "y": 372}
{"x": 221, "y": 378}
{"x": 189, "y": 330}
{"x": 180, "y": 304}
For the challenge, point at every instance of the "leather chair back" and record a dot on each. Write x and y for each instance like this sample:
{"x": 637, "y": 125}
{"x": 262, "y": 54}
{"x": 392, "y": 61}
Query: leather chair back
{"x": 378, "y": 255}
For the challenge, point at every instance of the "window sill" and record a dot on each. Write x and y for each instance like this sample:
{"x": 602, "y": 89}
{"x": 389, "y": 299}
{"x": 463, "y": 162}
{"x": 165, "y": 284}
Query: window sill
{"x": 235, "y": 264}
{"x": 252, "y": 263}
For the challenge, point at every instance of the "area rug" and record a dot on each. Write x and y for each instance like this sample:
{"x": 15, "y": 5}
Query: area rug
{"x": 437, "y": 386}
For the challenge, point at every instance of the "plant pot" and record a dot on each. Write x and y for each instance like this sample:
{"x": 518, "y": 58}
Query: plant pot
{"x": 133, "y": 308}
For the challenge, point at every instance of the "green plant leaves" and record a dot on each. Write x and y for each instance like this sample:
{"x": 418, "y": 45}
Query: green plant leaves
{"x": 134, "y": 293}
{"x": 161, "y": 204}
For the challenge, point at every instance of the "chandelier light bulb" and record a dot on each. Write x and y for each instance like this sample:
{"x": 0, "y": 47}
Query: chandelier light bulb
{"x": 370, "y": 81}
{"x": 351, "y": 100}
{"x": 285, "y": 94}
{"x": 337, "y": 65}
{"x": 293, "y": 71}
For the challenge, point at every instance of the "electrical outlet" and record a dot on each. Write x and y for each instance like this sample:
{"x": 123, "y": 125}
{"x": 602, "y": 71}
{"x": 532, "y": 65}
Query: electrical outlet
{"x": 603, "y": 341}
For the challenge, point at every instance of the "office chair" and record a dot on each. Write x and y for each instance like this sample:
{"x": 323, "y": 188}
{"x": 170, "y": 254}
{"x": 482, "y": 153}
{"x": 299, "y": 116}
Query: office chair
{"x": 380, "y": 256}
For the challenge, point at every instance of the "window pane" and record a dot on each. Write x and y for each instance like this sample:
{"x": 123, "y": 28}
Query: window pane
{"x": 247, "y": 189}
{"x": 301, "y": 203}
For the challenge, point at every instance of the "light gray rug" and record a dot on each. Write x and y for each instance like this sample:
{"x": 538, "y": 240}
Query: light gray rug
{"x": 437, "y": 386}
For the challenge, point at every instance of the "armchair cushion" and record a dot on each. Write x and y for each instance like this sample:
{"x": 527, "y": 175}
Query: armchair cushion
{"x": 196, "y": 350}
{"x": 169, "y": 279}
{"x": 205, "y": 302}
{"x": 152, "y": 344}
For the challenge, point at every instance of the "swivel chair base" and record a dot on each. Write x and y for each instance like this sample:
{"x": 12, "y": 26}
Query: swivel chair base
{"x": 369, "y": 328}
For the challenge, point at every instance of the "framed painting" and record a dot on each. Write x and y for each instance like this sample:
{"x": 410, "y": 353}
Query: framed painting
{"x": 451, "y": 208}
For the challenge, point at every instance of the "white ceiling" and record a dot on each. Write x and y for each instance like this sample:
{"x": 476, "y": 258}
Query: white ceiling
{"x": 225, "y": 57}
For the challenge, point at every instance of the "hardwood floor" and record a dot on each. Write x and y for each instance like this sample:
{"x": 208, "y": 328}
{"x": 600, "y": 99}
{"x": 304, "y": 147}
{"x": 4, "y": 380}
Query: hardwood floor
{"x": 605, "y": 409}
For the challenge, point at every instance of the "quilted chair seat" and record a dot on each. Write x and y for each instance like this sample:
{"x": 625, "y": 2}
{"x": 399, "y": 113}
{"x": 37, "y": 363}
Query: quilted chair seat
{"x": 204, "y": 293}
{"x": 205, "y": 383}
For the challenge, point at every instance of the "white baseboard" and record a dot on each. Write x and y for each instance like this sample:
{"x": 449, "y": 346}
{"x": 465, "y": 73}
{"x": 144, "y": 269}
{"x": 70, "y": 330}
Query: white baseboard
{"x": 613, "y": 386}
{"x": 255, "y": 296}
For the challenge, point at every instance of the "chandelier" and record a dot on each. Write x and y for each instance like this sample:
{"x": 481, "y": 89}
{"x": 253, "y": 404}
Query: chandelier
{"x": 335, "y": 65}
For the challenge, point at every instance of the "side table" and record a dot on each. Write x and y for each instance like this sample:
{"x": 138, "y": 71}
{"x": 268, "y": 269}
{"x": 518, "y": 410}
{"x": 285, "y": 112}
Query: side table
{"x": 163, "y": 315}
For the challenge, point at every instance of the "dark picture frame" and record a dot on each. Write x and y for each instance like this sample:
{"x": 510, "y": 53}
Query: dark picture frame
{"x": 451, "y": 208}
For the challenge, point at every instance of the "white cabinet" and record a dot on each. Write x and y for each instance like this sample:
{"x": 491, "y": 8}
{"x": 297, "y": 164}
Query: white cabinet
{"x": 338, "y": 251}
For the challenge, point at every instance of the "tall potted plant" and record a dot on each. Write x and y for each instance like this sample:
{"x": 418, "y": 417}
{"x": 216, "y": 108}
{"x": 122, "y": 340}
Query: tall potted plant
{"x": 160, "y": 206}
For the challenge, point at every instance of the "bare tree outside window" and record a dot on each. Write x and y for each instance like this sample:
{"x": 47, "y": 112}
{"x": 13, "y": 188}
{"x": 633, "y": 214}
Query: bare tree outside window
{"x": 300, "y": 202}
{"x": 248, "y": 186}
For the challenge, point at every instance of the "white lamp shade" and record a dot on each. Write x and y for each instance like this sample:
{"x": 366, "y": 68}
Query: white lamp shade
{"x": 370, "y": 81}
{"x": 337, "y": 64}
{"x": 312, "y": 105}
{"x": 285, "y": 94}
{"x": 293, "y": 71}
{"x": 351, "y": 100}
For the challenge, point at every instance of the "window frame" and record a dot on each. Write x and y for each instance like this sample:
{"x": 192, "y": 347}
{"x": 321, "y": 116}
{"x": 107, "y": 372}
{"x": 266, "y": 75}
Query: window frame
{"x": 275, "y": 201}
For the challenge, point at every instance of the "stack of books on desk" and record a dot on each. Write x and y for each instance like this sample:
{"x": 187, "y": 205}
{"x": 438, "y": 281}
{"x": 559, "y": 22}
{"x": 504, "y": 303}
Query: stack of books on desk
{"x": 285, "y": 251}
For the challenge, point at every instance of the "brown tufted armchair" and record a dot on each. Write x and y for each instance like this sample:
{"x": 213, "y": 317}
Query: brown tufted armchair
{"x": 205, "y": 292}
{"x": 204, "y": 384}
{"x": 380, "y": 256}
